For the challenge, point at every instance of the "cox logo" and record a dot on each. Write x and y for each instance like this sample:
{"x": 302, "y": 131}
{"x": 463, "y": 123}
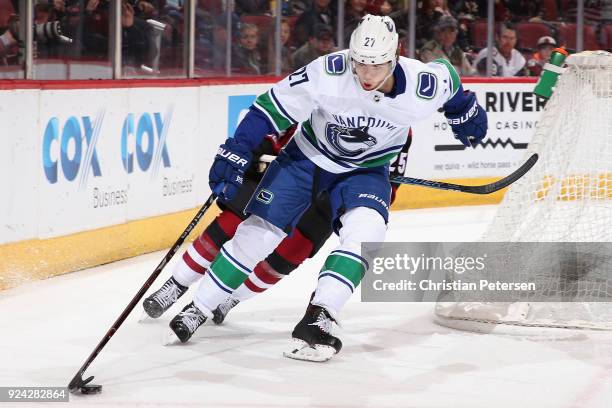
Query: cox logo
{"x": 145, "y": 138}
{"x": 76, "y": 143}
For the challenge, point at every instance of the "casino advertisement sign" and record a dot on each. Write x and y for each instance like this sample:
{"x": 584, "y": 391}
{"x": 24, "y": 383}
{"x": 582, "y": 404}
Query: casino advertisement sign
{"x": 513, "y": 112}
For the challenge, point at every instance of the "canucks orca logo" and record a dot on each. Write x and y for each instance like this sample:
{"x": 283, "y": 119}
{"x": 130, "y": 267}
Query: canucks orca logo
{"x": 349, "y": 141}
{"x": 389, "y": 26}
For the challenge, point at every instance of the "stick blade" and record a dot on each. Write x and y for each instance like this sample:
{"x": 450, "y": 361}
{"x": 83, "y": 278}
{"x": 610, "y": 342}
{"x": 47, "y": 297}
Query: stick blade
{"x": 78, "y": 385}
{"x": 511, "y": 178}
{"x": 91, "y": 389}
{"x": 481, "y": 189}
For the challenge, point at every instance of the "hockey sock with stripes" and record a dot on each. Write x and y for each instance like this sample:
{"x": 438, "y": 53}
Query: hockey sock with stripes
{"x": 255, "y": 238}
{"x": 289, "y": 254}
{"x": 196, "y": 260}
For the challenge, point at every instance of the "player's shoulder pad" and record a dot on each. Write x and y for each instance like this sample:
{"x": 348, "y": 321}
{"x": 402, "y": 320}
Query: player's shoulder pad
{"x": 335, "y": 64}
{"x": 450, "y": 72}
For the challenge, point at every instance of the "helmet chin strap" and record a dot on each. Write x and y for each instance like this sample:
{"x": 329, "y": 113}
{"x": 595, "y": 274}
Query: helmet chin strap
{"x": 393, "y": 64}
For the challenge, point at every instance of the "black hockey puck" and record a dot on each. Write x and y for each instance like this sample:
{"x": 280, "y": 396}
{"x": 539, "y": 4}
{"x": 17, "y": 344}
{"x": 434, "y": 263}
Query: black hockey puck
{"x": 91, "y": 389}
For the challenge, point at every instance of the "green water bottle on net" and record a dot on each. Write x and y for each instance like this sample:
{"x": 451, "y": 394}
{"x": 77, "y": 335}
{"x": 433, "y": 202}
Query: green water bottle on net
{"x": 550, "y": 73}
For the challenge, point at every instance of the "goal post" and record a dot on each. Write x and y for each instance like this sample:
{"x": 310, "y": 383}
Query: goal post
{"x": 566, "y": 197}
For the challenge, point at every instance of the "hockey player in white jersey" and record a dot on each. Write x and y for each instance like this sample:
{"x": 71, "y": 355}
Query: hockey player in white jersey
{"x": 354, "y": 108}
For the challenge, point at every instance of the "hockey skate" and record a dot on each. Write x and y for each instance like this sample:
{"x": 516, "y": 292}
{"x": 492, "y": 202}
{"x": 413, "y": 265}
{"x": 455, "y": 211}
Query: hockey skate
{"x": 223, "y": 309}
{"x": 312, "y": 339}
{"x": 161, "y": 300}
{"x": 184, "y": 325}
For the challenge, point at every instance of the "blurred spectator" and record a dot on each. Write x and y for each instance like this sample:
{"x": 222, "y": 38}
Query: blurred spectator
{"x": 535, "y": 64}
{"x": 58, "y": 5}
{"x": 427, "y": 17}
{"x": 94, "y": 27}
{"x": 246, "y": 58}
{"x": 45, "y": 12}
{"x": 354, "y": 10}
{"x": 500, "y": 12}
{"x": 606, "y": 12}
{"x": 8, "y": 46}
{"x": 205, "y": 21}
{"x": 135, "y": 36}
{"x": 51, "y": 10}
{"x": 466, "y": 11}
{"x": 524, "y": 10}
{"x": 297, "y": 7}
{"x": 84, "y": 22}
{"x": 171, "y": 46}
{"x": 211, "y": 34}
{"x": 381, "y": 7}
{"x": 146, "y": 9}
{"x": 252, "y": 7}
{"x": 286, "y": 50}
{"x": 507, "y": 61}
{"x": 592, "y": 10}
{"x": 478, "y": 9}
{"x": 42, "y": 12}
{"x": 388, "y": 7}
{"x": 428, "y": 13}
{"x": 463, "y": 31}
{"x": 465, "y": 8}
{"x": 7, "y": 8}
{"x": 320, "y": 43}
{"x": 8, "y": 31}
{"x": 319, "y": 13}
{"x": 443, "y": 46}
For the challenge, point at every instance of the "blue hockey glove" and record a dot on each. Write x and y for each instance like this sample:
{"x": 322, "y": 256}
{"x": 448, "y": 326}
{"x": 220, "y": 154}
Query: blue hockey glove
{"x": 466, "y": 117}
{"x": 227, "y": 172}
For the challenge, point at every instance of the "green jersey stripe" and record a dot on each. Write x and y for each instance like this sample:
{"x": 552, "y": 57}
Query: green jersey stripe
{"x": 379, "y": 161}
{"x": 456, "y": 81}
{"x": 266, "y": 104}
{"x": 309, "y": 132}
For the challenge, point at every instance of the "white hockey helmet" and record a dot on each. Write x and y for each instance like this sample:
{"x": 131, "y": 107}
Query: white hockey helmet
{"x": 374, "y": 41}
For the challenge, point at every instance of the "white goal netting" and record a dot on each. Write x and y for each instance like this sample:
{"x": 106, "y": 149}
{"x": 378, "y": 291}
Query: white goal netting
{"x": 566, "y": 197}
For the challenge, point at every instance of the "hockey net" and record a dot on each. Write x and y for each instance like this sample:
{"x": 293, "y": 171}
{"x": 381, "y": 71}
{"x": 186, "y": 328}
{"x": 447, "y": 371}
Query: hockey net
{"x": 566, "y": 197}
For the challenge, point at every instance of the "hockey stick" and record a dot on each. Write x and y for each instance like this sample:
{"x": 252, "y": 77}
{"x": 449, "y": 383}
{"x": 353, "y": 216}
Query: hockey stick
{"x": 77, "y": 382}
{"x": 482, "y": 189}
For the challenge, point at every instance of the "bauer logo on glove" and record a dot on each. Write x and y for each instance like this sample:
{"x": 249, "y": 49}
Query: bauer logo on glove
{"x": 227, "y": 172}
{"x": 466, "y": 117}
{"x": 232, "y": 157}
{"x": 462, "y": 119}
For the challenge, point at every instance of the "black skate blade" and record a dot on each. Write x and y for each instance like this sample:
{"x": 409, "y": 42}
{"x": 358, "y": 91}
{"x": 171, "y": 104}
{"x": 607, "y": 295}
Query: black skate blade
{"x": 170, "y": 338}
{"x": 300, "y": 350}
{"x": 145, "y": 318}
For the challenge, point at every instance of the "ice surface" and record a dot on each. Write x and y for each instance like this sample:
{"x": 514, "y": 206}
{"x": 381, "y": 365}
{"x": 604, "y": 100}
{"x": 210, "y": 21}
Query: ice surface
{"x": 393, "y": 354}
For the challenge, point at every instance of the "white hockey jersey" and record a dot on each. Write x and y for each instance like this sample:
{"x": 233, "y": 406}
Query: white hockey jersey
{"x": 342, "y": 126}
